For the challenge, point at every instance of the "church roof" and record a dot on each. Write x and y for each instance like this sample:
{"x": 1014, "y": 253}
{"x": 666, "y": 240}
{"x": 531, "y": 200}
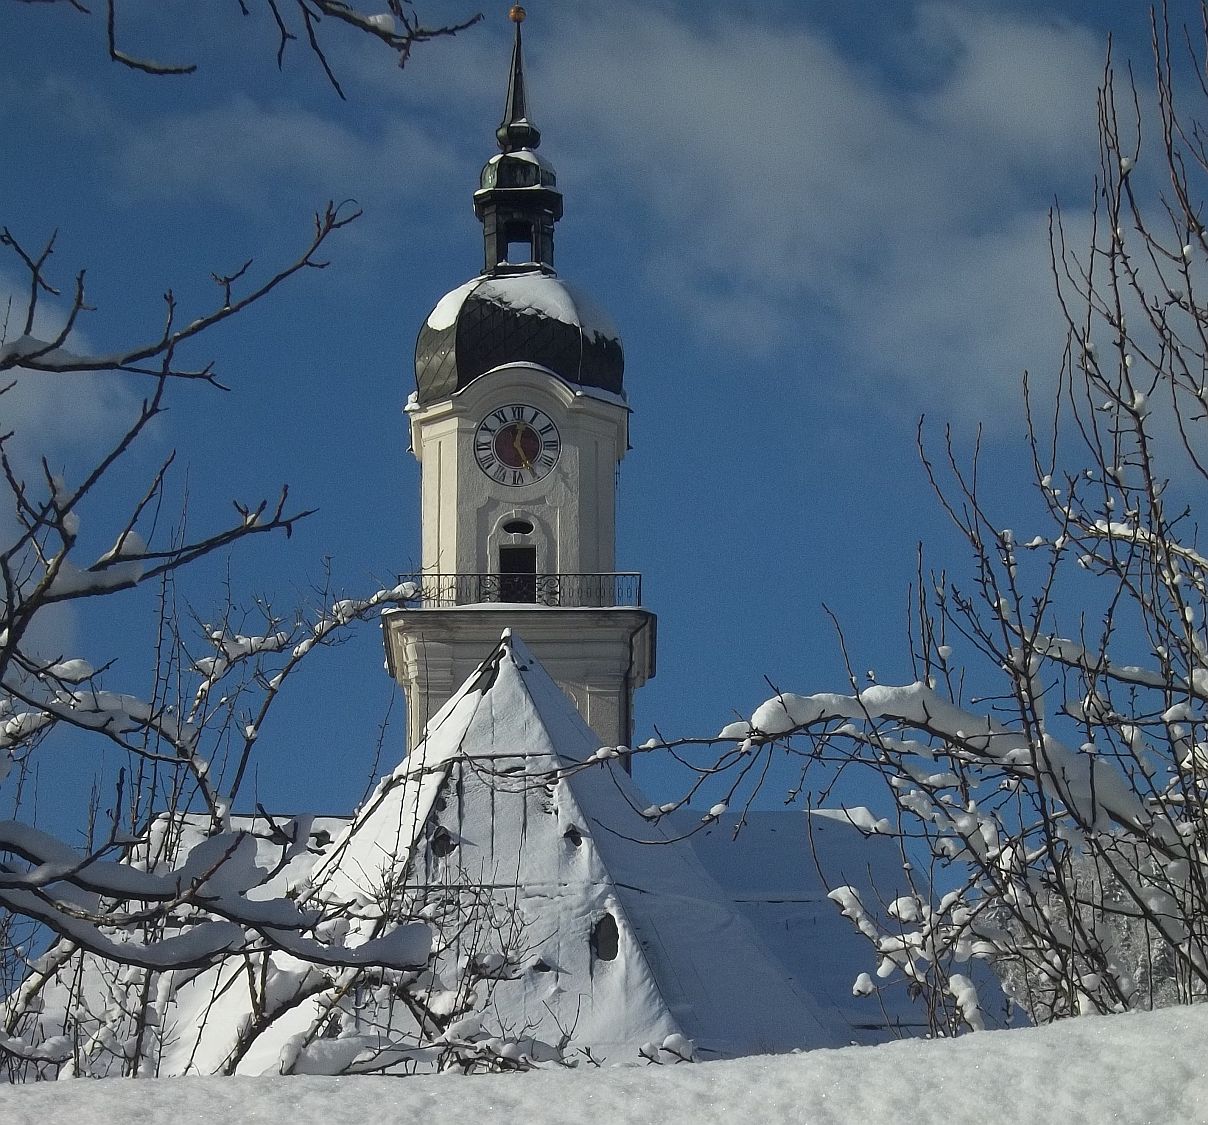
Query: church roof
{"x": 631, "y": 939}
{"x": 531, "y": 317}
{"x": 565, "y": 920}
{"x": 777, "y": 867}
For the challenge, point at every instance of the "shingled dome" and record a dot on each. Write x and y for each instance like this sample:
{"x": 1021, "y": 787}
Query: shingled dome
{"x": 526, "y": 317}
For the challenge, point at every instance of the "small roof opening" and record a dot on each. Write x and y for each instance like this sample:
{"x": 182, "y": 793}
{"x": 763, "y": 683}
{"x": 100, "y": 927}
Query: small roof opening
{"x": 605, "y": 938}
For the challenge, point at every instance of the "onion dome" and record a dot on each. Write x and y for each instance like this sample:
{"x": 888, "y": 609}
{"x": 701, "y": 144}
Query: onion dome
{"x": 514, "y": 317}
{"x": 517, "y": 310}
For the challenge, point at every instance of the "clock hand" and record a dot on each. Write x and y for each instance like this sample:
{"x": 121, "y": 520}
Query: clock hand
{"x": 525, "y": 463}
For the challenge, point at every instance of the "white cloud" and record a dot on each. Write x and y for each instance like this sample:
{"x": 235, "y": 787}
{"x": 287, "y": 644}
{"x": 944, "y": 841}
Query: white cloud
{"x": 238, "y": 150}
{"x": 801, "y": 190}
{"x": 49, "y": 415}
{"x": 246, "y": 150}
{"x": 1018, "y": 89}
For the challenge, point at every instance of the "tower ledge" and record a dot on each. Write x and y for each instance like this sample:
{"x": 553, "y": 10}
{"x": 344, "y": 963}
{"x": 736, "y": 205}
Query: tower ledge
{"x": 598, "y": 656}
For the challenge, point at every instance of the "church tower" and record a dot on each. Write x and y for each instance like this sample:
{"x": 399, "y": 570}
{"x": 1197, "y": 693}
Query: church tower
{"x": 519, "y": 421}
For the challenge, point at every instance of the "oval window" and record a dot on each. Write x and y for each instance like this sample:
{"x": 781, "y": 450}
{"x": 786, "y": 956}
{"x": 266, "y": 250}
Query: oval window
{"x": 518, "y": 527}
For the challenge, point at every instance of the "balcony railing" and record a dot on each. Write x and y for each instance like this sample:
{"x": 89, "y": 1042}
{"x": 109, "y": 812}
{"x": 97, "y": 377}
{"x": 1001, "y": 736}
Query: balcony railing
{"x": 566, "y": 590}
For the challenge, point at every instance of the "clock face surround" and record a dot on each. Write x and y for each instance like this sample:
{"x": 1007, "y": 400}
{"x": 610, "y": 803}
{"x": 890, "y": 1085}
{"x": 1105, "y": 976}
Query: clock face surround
{"x": 517, "y": 444}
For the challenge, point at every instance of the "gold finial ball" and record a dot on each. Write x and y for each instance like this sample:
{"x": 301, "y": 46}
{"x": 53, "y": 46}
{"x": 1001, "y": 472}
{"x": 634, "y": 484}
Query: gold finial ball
{"x": 517, "y": 14}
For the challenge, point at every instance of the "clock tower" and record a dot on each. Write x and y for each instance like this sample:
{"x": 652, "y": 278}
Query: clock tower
{"x": 519, "y": 421}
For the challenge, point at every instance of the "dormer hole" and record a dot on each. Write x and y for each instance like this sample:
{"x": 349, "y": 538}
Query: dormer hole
{"x": 521, "y": 236}
{"x": 518, "y": 527}
{"x": 574, "y": 836}
{"x": 442, "y": 843}
{"x": 605, "y": 939}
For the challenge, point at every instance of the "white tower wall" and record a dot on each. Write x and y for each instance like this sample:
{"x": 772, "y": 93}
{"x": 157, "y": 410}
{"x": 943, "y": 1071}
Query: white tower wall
{"x": 573, "y": 508}
{"x": 597, "y": 652}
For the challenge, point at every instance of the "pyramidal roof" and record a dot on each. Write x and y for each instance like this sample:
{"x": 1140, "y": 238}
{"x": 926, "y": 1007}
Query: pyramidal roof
{"x": 621, "y": 938}
{"x": 565, "y": 924}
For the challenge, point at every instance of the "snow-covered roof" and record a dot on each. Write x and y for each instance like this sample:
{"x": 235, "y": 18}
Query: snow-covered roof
{"x": 778, "y": 868}
{"x": 537, "y": 293}
{"x": 502, "y": 776}
{"x": 517, "y": 316}
{"x": 564, "y": 919}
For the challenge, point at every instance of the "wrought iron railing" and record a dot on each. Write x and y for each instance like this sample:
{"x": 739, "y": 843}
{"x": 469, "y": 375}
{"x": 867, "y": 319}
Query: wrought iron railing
{"x": 566, "y": 590}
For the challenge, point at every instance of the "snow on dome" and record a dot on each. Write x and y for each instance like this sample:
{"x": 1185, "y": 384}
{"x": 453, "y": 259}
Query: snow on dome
{"x": 548, "y": 296}
{"x": 532, "y": 293}
{"x": 527, "y": 316}
{"x": 449, "y": 306}
{"x": 593, "y": 317}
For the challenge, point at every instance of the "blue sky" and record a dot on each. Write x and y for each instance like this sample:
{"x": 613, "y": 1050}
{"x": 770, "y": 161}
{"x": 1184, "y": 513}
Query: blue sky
{"x": 813, "y": 223}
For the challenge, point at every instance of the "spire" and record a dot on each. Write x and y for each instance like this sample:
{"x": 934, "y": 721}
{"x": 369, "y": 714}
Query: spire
{"x": 516, "y": 131}
{"x": 517, "y": 200}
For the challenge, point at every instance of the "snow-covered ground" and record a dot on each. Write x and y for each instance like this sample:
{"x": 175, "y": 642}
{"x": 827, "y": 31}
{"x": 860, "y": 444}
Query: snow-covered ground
{"x": 1146, "y": 1067}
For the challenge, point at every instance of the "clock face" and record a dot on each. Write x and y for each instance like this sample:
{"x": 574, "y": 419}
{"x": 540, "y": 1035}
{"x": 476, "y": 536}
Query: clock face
{"x": 517, "y": 444}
